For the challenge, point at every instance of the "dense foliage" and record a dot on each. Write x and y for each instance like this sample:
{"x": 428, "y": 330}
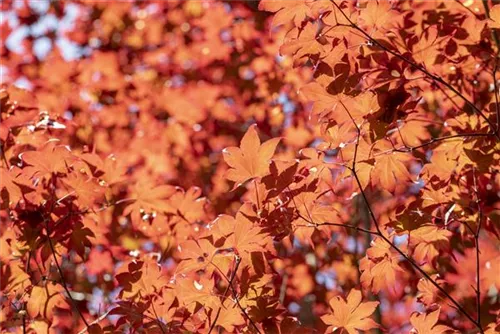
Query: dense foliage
{"x": 290, "y": 166}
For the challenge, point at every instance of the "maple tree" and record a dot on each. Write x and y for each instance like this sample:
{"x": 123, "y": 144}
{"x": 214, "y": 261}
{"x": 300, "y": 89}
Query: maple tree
{"x": 273, "y": 166}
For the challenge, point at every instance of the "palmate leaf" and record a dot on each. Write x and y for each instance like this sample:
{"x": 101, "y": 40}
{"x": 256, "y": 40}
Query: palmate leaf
{"x": 287, "y": 10}
{"x": 351, "y": 314}
{"x": 251, "y": 159}
{"x": 427, "y": 323}
{"x": 114, "y": 156}
{"x": 45, "y": 300}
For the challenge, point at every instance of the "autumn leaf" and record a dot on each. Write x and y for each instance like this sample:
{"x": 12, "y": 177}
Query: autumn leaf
{"x": 303, "y": 42}
{"x": 149, "y": 200}
{"x": 242, "y": 237}
{"x": 494, "y": 21}
{"x": 201, "y": 254}
{"x": 194, "y": 293}
{"x": 44, "y": 300}
{"x": 230, "y": 316}
{"x": 379, "y": 268}
{"x": 286, "y": 11}
{"x": 15, "y": 184}
{"x": 427, "y": 292}
{"x": 351, "y": 314}
{"x": 141, "y": 278}
{"x": 51, "y": 159}
{"x": 251, "y": 159}
{"x": 378, "y": 15}
{"x": 426, "y": 323}
{"x": 114, "y": 152}
{"x": 188, "y": 204}
{"x": 86, "y": 189}
{"x": 429, "y": 241}
{"x": 390, "y": 171}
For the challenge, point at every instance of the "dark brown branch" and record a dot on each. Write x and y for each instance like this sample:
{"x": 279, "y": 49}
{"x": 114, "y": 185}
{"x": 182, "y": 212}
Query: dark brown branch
{"x": 405, "y": 148}
{"x": 420, "y": 68}
{"x": 4, "y": 158}
{"x": 476, "y": 239}
{"x": 230, "y": 287}
{"x": 63, "y": 280}
{"x": 315, "y": 225}
{"x": 495, "y": 86}
{"x": 101, "y": 317}
{"x": 160, "y": 324}
{"x": 493, "y": 32}
{"x": 24, "y": 321}
{"x": 381, "y": 235}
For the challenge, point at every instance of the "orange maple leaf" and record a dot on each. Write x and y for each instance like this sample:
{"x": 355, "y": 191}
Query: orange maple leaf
{"x": 494, "y": 21}
{"x": 352, "y": 315}
{"x": 194, "y": 294}
{"x": 149, "y": 200}
{"x": 141, "y": 278}
{"x": 201, "y": 254}
{"x": 45, "y": 299}
{"x": 379, "y": 267}
{"x": 230, "y": 316}
{"x": 47, "y": 160}
{"x": 378, "y": 14}
{"x": 389, "y": 171}
{"x": 244, "y": 236}
{"x": 425, "y": 323}
{"x": 251, "y": 159}
{"x": 429, "y": 241}
{"x": 303, "y": 42}
{"x": 286, "y": 11}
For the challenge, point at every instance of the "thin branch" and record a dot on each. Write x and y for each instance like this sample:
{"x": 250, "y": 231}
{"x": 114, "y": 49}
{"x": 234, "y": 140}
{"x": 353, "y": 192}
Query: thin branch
{"x": 4, "y": 158}
{"x": 235, "y": 296}
{"x": 24, "y": 321}
{"x": 386, "y": 239}
{"x": 495, "y": 86}
{"x": 420, "y": 68}
{"x": 63, "y": 280}
{"x": 160, "y": 324}
{"x": 233, "y": 275}
{"x": 493, "y": 31}
{"x": 410, "y": 260}
{"x": 406, "y": 149}
{"x": 315, "y": 225}
{"x": 257, "y": 196}
{"x": 476, "y": 239}
{"x": 100, "y": 318}
{"x": 467, "y": 8}
{"x": 284, "y": 283}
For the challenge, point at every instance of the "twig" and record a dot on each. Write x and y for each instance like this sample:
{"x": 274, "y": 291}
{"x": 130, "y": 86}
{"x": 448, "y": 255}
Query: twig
{"x": 101, "y": 317}
{"x": 257, "y": 197}
{"x": 233, "y": 275}
{"x": 158, "y": 319}
{"x": 420, "y": 68}
{"x": 24, "y": 321}
{"x": 495, "y": 86}
{"x": 235, "y": 296}
{"x": 313, "y": 224}
{"x": 63, "y": 280}
{"x": 4, "y": 158}
{"x": 408, "y": 149}
{"x": 476, "y": 239}
{"x": 230, "y": 286}
{"x": 283, "y": 288}
{"x": 493, "y": 32}
{"x": 387, "y": 240}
